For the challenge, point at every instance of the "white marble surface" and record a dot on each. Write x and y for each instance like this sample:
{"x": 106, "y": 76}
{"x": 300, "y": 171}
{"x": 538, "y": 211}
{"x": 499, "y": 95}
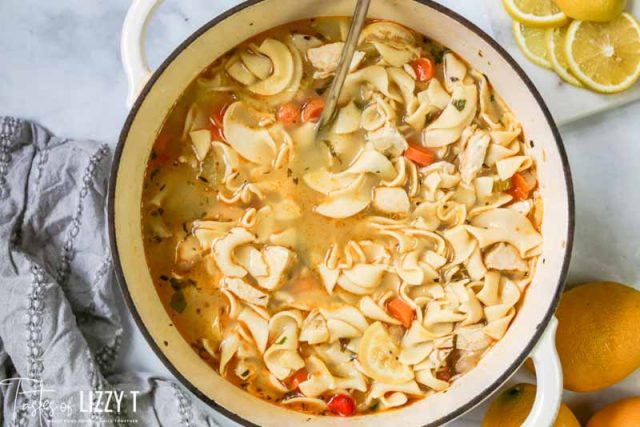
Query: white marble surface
{"x": 60, "y": 66}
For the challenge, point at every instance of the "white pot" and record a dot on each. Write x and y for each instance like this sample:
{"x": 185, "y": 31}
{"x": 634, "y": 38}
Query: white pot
{"x": 165, "y": 86}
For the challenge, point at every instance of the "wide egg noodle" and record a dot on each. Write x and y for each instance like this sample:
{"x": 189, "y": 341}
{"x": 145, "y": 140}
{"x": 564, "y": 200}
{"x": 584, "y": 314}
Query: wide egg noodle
{"x": 282, "y": 358}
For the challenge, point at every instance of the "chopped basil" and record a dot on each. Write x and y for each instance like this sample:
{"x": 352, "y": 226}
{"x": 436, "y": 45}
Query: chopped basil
{"x": 281, "y": 341}
{"x": 374, "y": 407}
{"x": 178, "y": 303}
{"x": 459, "y": 104}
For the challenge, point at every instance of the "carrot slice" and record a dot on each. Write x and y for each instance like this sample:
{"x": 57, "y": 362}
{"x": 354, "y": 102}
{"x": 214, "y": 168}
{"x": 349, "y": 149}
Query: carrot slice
{"x": 402, "y": 311}
{"x": 342, "y": 404}
{"x": 423, "y": 68}
{"x": 160, "y": 149}
{"x": 420, "y": 155}
{"x": 312, "y": 110}
{"x": 218, "y": 115}
{"x": 520, "y": 188}
{"x": 289, "y": 114}
{"x": 215, "y": 123}
{"x": 216, "y": 132}
{"x": 299, "y": 376}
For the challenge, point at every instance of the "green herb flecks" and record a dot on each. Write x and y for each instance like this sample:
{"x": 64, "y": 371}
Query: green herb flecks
{"x": 153, "y": 174}
{"x": 438, "y": 55}
{"x": 360, "y": 104}
{"x": 321, "y": 90}
{"x": 281, "y": 341}
{"x": 459, "y": 104}
{"x": 430, "y": 117}
{"x": 500, "y": 186}
{"x": 178, "y": 303}
{"x": 179, "y": 285}
{"x": 332, "y": 150}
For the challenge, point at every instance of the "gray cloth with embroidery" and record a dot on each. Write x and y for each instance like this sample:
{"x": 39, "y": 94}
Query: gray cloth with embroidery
{"x": 59, "y": 326}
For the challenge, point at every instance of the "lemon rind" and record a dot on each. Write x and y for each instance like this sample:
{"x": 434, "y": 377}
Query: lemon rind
{"x": 556, "y": 20}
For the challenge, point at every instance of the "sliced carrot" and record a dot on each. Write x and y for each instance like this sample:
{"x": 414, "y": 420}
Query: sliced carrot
{"x": 218, "y": 115}
{"x": 342, "y": 404}
{"x": 423, "y": 68}
{"x": 216, "y": 132}
{"x": 160, "y": 148}
{"x": 520, "y": 188}
{"x": 312, "y": 110}
{"x": 420, "y": 155}
{"x": 289, "y": 114}
{"x": 299, "y": 376}
{"x": 402, "y": 311}
{"x": 215, "y": 123}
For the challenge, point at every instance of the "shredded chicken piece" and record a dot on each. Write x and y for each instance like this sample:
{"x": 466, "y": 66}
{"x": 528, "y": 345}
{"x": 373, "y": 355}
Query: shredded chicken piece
{"x": 473, "y": 156}
{"x": 326, "y": 58}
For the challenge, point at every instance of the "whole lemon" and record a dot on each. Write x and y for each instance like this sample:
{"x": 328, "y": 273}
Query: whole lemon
{"x": 597, "y": 338}
{"x": 592, "y": 10}
{"x": 511, "y": 408}
{"x": 625, "y": 412}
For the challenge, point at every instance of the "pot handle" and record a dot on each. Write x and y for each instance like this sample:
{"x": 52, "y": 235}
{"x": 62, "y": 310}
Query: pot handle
{"x": 549, "y": 378}
{"x": 132, "y": 53}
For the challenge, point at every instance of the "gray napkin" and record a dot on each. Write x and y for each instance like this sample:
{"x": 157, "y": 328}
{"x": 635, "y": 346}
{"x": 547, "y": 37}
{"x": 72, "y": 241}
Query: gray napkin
{"x": 59, "y": 327}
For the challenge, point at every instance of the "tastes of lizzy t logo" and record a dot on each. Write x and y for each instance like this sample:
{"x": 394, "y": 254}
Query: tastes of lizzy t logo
{"x": 31, "y": 400}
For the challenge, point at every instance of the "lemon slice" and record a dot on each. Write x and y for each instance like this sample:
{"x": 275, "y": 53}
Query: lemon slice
{"x": 536, "y": 13}
{"x": 554, "y": 38}
{"x": 378, "y": 356}
{"x": 532, "y": 44}
{"x": 605, "y": 56}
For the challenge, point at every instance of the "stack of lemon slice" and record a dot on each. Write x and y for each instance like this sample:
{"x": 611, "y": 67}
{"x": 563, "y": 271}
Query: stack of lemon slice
{"x": 602, "y": 56}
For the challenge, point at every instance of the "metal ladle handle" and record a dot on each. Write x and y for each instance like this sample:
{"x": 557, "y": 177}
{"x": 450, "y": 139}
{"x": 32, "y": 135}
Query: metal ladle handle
{"x": 359, "y": 17}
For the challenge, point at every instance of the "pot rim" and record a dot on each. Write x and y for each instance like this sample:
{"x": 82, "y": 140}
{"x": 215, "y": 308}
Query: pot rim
{"x": 540, "y": 328}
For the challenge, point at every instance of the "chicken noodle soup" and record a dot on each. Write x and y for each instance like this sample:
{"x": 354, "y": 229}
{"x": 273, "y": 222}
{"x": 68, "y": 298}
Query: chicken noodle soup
{"x": 358, "y": 272}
